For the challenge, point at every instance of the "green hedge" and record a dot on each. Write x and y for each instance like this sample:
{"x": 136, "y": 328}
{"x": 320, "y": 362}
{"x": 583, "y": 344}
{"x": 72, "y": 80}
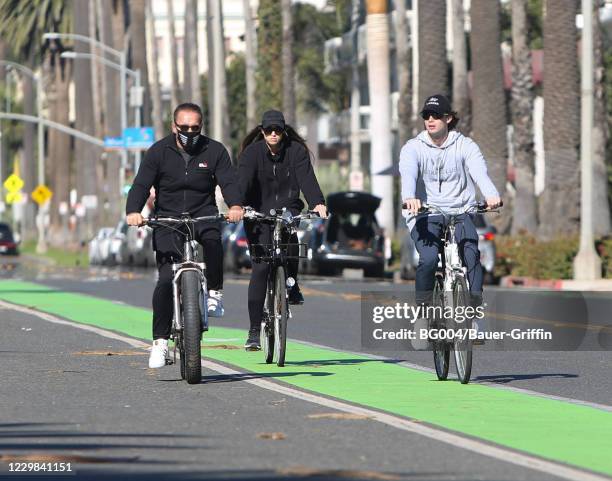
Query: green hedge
{"x": 524, "y": 255}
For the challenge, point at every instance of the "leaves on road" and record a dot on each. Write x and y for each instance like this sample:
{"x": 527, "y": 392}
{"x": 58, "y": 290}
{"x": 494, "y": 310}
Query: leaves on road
{"x": 300, "y": 471}
{"x": 273, "y": 436}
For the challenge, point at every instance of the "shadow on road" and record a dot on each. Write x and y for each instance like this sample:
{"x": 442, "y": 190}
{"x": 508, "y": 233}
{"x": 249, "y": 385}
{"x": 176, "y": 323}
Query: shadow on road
{"x": 508, "y": 378}
{"x": 220, "y": 378}
{"x": 342, "y": 362}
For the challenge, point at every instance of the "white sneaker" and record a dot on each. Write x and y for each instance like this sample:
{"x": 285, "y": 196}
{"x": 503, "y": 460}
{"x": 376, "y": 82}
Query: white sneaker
{"x": 159, "y": 353}
{"x": 215, "y": 304}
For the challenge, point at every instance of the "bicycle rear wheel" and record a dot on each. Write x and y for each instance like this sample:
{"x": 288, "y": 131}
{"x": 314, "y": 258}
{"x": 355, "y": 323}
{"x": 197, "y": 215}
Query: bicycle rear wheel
{"x": 441, "y": 349}
{"x": 192, "y": 325}
{"x": 280, "y": 316}
{"x": 267, "y": 326}
{"x": 462, "y": 347}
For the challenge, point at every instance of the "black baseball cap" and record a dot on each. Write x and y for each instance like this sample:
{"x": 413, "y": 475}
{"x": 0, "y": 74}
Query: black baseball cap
{"x": 437, "y": 103}
{"x": 273, "y": 118}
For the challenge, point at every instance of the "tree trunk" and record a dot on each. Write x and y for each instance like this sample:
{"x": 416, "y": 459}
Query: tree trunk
{"x": 433, "y": 66}
{"x": 139, "y": 54}
{"x": 96, "y": 84}
{"x": 175, "y": 86}
{"x": 269, "y": 49}
{"x": 210, "y": 86}
{"x": 251, "y": 64}
{"x": 29, "y": 172}
{"x": 59, "y": 147}
{"x": 404, "y": 61}
{"x": 356, "y": 182}
{"x": 377, "y": 25}
{"x": 488, "y": 99}
{"x": 461, "y": 94}
{"x": 288, "y": 75}
{"x": 525, "y": 205}
{"x": 560, "y": 202}
{"x": 221, "y": 114}
{"x": 86, "y": 154}
{"x": 601, "y": 207}
{"x": 153, "y": 56}
{"x": 190, "y": 54}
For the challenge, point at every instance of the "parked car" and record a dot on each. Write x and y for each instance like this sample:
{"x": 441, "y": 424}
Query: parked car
{"x": 136, "y": 248}
{"x": 486, "y": 245}
{"x": 235, "y": 247}
{"x": 349, "y": 238}
{"x": 99, "y": 244}
{"x": 111, "y": 252}
{"x": 8, "y": 245}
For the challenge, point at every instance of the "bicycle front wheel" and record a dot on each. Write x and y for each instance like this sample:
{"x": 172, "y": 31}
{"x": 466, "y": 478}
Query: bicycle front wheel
{"x": 192, "y": 325}
{"x": 462, "y": 347}
{"x": 267, "y": 326}
{"x": 441, "y": 349}
{"x": 280, "y": 316}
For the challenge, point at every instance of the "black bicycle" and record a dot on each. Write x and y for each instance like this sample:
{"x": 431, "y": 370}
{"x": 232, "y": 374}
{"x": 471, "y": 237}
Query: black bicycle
{"x": 190, "y": 295}
{"x": 451, "y": 288}
{"x": 276, "y": 306}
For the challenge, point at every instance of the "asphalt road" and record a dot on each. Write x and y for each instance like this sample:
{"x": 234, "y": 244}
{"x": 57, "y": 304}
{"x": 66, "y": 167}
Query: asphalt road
{"x": 116, "y": 419}
{"x": 63, "y": 395}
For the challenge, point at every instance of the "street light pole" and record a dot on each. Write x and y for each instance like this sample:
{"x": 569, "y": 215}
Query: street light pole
{"x": 587, "y": 264}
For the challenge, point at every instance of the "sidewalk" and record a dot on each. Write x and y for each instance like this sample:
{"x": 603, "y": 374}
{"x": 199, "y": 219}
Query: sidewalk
{"x": 604, "y": 285}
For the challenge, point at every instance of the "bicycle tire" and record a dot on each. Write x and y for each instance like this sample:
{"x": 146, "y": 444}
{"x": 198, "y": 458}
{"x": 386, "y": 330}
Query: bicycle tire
{"x": 192, "y": 327}
{"x": 280, "y": 316}
{"x": 462, "y": 348}
{"x": 441, "y": 349}
{"x": 267, "y": 327}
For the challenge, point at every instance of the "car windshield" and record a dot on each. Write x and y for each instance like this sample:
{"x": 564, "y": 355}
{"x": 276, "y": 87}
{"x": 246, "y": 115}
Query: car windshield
{"x": 5, "y": 233}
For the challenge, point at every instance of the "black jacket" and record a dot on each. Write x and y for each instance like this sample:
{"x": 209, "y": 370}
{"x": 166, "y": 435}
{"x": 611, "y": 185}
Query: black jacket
{"x": 268, "y": 182}
{"x": 180, "y": 188}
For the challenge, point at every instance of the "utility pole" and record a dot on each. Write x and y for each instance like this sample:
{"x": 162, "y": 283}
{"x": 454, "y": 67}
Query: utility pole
{"x": 587, "y": 264}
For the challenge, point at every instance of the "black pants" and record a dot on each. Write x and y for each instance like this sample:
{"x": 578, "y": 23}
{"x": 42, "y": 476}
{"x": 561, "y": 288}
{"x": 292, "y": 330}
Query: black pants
{"x": 168, "y": 249}
{"x": 262, "y": 234}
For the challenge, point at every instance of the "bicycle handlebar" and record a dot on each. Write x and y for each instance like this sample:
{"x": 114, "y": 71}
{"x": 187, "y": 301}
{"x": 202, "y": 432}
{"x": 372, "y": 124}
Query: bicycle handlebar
{"x": 164, "y": 221}
{"x": 480, "y": 207}
{"x": 251, "y": 214}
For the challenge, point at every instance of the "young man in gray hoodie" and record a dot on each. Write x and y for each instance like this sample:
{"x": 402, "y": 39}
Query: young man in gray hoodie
{"x": 440, "y": 167}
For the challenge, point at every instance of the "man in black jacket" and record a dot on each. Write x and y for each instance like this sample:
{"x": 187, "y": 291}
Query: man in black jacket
{"x": 184, "y": 168}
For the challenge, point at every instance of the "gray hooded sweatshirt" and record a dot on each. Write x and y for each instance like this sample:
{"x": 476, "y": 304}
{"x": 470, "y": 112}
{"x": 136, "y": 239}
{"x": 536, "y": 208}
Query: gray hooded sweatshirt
{"x": 444, "y": 176}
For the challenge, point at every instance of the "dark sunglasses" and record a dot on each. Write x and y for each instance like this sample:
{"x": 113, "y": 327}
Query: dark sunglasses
{"x": 274, "y": 128}
{"x": 435, "y": 115}
{"x": 189, "y": 128}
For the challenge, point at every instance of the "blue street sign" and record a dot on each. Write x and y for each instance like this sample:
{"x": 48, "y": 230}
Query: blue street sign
{"x": 113, "y": 142}
{"x": 138, "y": 137}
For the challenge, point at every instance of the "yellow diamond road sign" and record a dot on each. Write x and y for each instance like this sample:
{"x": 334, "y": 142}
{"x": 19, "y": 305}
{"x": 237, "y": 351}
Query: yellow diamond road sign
{"x": 13, "y": 183}
{"x": 41, "y": 194}
{"x": 13, "y": 197}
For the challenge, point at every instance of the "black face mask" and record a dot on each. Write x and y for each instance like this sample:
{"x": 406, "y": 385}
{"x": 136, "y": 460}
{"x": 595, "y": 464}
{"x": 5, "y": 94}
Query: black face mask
{"x": 188, "y": 140}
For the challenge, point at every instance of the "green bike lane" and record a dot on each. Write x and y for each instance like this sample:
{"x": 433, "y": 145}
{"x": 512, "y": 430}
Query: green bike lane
{"x": 556, "y": 430}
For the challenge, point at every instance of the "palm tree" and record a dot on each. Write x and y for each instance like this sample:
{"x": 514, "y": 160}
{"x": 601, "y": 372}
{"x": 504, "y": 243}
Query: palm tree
{"x": 560, "y": 203}
{"x": 432, "y": 60}
{"x": 251, "y": 62}
{"x": 221, "y": 114}
{"x": 95, "y": 73}
{"x": 269, "y": 47}
{"x": 190, "y": 53}
{"x": 380, "y": 109}
{"x": 525, "y": 205}
{"x": 139, "y": 53}
{"x": 174, "y": 86}
{"x": 403, "y": 62}
{"x": 601, "y": 208}
{"x": 153, "y": 57}
{"x": 488, "y": 97}
{"x": 86, "y": 154}
{"x": 287, "y": 53}
{"x": 461, "y": 95}
{"x": 22, "y": 22}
